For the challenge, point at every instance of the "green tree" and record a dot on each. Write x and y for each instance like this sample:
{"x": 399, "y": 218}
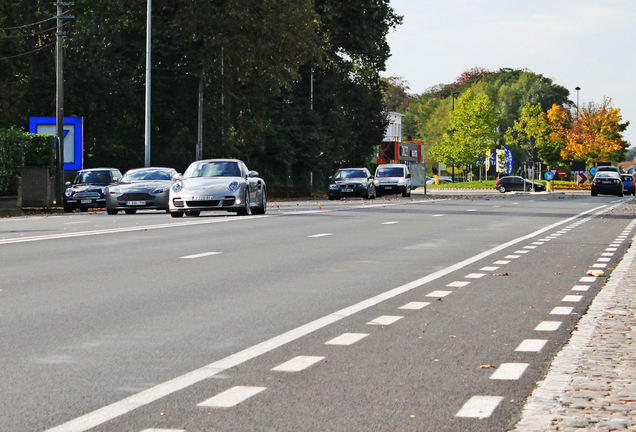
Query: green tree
{"x": 396, "y": 94}
{"x": 529, "y": 131}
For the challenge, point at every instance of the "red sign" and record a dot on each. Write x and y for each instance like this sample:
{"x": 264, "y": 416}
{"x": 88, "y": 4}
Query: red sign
{"x": 561, "y": 173}
{"x": 581, "y": 178}
{"x": 381, "y": 161}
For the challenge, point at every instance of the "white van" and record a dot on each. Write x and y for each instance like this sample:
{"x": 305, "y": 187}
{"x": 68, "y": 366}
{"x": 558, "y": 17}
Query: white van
{"x": 392, "y": 179}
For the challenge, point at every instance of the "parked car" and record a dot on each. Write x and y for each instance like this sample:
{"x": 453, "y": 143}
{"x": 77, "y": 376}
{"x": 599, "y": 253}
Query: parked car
{"x": 628, "y": 184}
{"x": 89, "y": 187}
{"x": 392, "y": 179}
{"x": 140, "y": 188}
{"x": 217, "y": 184}
{"x": 607, "y": 183}
{"x": 517, "y": 183}
{"x": 352, "y": 182}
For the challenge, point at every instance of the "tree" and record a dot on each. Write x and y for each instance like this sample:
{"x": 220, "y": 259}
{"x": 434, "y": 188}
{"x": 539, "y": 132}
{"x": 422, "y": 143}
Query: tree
{"x": 396, "y": 95}
{"x": 557, "y": 122}
{"x": 529, "y": 130}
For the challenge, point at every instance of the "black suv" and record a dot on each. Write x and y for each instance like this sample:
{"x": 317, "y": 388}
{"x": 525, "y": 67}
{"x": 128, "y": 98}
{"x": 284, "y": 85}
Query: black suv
{"x": 88, "y": 189}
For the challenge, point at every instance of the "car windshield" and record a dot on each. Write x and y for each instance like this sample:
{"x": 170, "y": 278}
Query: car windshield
{"x": 606, "y": 174}
{"x": 627, "y": 178}
{"x": 92, "y": 177}
{"x": 213, "y": 169}
{"x": 147, "y": 174}
{"x": 390, "y": 172}
{"x": 349, "y": 174}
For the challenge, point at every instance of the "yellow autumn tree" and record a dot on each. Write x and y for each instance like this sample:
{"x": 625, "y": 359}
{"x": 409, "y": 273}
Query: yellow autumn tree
{"x": 596, "y": 134}
{"x": 556, "y": 125}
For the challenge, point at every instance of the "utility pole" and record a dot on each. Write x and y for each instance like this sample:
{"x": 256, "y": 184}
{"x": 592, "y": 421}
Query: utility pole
{"x": 147, "y": 116}
{"x": 59, "y": 102}
{"x": 199, "y": 149}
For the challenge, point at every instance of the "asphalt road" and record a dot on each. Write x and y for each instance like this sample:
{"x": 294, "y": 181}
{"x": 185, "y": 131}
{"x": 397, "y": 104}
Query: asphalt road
{"x": 398, "y": 313}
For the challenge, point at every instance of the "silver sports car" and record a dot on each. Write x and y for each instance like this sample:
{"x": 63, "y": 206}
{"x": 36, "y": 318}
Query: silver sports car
{"x": 140, "y": 188}
{"x": 218, "y": 184}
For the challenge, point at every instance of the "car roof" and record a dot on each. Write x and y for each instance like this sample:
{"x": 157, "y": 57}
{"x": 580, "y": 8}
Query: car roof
{"x": 219, "y": 160}
{"x": 607, "y": 173}
{"x": 352, "y": 169}
{"x": 99, "y": 169}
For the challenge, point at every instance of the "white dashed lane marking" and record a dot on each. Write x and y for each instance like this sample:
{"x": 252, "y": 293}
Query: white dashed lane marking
{"x": 561, "y": 310}
{"x": 548, "y": 326}
{"x": 347, "y": 339}
{"x": 501, "y": 262}
{"x": 580, "y": 287}
{"x": 489, "y": 268}
{"x": 603, "y": 260}
{"x": 385, "y": 320}
{"x": 599, "y": 265}
{"x": 458, "y": 284}
{"x": 298, "y": 363}
{"x": 163, "y": 430}
{"x": 522, "y": 251}
{"x": 438, "y": 294}
{"x": 572, "y": 298}
{"x": 415, "y": 305}
{"x": 512, "y": 256}
{"x": 475, "y": 276}
{"x": 531, "y": 345}
{"x": 529, "y": 247}
{"x": 509, "y": 371}
{"x": 390, "y": 223}
{"x": 200, "y": 255}
{"x": 320, "y": 235}
{"x": 479, "y": 407}
{"x": 588, "y": 279}
{"x": 232, "y": 397}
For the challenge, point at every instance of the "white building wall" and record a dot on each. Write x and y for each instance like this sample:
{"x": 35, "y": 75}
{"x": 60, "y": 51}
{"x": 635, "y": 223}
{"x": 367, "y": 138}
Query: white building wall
{"x": 394, "y": 130}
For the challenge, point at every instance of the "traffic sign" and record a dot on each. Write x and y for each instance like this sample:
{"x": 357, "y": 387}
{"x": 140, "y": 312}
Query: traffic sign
{"x": 581, "y": 178}
{"x": 549, "y": 175}
{"x": 593, "y": 171}
{"x": 561, "y": 173}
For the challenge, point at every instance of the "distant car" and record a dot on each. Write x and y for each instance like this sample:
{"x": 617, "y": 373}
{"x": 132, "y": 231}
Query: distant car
{"x": 608, "y": 168}
{"x": 351, "y": 182}
{"x": 607, "y": 183}
{"x": 140, "y": 188}
{"x": 217, "y": 184}
{"x": 628, "y": 184}
{"x": 88, "y": 189}
{"x": 517, "y": 183}
{"x": 392, "y": 179}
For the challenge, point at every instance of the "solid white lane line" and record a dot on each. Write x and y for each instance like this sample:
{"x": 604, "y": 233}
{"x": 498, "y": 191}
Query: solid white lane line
{"x": 588, "y": 279}
{"x": 501, "y": 262}
{"x": 475, "y": 275}
{"x": 489, "y": 268}
{"x": 580, "y": 287}
{"x": 561, "y": 310}
{"x": 415, "y": 305}
{"x": 548, "y": 326}
{"x": 390, "y": 223}
{"x": 347, "y": 339}
{"x": 200, "y": 255}
{"x": 385, "y": 320}
{"x": 320, "y": 235}
{"x": 231, "y": 397}
{"x": 509, "y": 371}
{"x": 438, "y": 294}
{"x": 298, "y": 363}
{"x": 572, "y": 298}
{"x": 512, "y": 256}
{"x": 479, "y": 407}
{"x": 531, "y": 345}
{"x": 458, "y": 284}
{"x": 128, "y": 404}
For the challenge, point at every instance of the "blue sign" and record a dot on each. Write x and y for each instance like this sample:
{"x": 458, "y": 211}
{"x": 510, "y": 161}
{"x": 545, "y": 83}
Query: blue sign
{"x": 593, "y": 171}
{"x": 549, "y": 175}
{"x": 73, "y": 138}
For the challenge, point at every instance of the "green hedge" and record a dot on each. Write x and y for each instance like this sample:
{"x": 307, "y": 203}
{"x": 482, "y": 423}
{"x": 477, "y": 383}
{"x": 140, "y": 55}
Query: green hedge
{"x": 17, "y": 149}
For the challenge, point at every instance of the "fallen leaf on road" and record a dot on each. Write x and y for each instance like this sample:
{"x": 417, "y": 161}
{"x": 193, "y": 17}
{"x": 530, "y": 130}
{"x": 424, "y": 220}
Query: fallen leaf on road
{"x": 487, "y": 366}
{"x": 500, "y": 274}
{"x": 596, "y": 273}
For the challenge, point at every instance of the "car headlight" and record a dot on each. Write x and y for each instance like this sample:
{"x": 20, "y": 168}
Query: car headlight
{"x": 68, "y": 193}
{"x": 333, "y": 186}
{"x": 104, "y": 189}
{"x": 376, "y": 182}
{"x": 177, "y": 187}
{"x": 234, "y": 186}
{"x": 160, "y": 190}
{"x": 401, "y": 181}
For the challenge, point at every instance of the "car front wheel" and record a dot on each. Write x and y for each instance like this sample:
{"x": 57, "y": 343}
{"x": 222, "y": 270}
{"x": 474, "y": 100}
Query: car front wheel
{"x": 176, "y": 214}
{"x": 502, "y": 189}
{"x": 245, "y": 210}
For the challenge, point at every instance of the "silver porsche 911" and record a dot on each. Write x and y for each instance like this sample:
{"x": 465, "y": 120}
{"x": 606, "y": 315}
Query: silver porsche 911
{"x": 140, "y": 188}
{"x": 218, "y": 184}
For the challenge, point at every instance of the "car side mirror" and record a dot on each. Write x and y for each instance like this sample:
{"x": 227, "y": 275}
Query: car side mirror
{"x": 177, "y": 176}
{"x": 408, "y": 175}
{"x": 67, "y": 183}
{"x": 330, "y": 177}
{"x": 252, "y": 174}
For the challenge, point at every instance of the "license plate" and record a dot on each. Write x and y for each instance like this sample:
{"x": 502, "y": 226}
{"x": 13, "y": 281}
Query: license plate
{"x": 135, "y": 203}
{"x": 86, "y": 201}
{"x": 347, "y": 190}
{"x": 202, "y": 198}
{"x": 388, "y": 187}
{"x": 606, "y": 182}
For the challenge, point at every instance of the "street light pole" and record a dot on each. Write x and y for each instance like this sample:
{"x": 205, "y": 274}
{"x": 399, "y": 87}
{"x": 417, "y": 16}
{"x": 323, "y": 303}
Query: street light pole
{"x": 147, "y": 114}
{"x": 454, "y": 94}
{"x": 59, "y": 103}
{"x": 577, "y": 101}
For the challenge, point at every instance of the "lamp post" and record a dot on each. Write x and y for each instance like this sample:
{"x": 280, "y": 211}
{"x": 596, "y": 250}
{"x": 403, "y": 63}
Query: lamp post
{"x": 577, "y": 101}
{"x": 454, "y": 94}
{"x": 148, "y": 62}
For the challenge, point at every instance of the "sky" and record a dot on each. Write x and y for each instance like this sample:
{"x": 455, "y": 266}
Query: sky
{"x": 586, "y": 43}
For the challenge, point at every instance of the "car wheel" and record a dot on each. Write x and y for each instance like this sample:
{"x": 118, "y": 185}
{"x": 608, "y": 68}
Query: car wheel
{"x": 130, "y": 211}
{"x": 68, "y": 209}
{"x": 594, "y": 193}
{"x": 374, "y": 194}
{"x": 262, "y": 206}
{"x": 246, "y": 209}
{"x": 502, "y": 189}
{"x": 406, "y": 193}
{"x": 111, "y": 212}
{"x": 193, "y": 213}
{"x": 620, "y": 194}
{"x": 176, "y": 214}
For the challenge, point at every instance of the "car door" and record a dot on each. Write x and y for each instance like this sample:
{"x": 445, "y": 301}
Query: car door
{"x": 252, "y": 184}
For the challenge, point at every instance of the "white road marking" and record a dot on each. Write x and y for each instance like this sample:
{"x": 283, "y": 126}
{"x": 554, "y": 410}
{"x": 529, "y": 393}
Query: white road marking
{"x": 580, "y": 287}
{"x": 521, "y": 251}
{"x": 475, "y": 275}
{"x": 347, "y": 339}
{"x": 385, "y": 320}
{"x": 616, "y": 245}
{"x": 512, "y": 256}
{"x": 529, "y": 247}
{"x": 479, "y": 407}
{"x": 548, "y": 326}
{"x": 544, "y": 239}
{"x": 320, "y": 235}
{"x": 298, "y": 363}
{"x": 537, "y": 243}
{"x": 599, "y": 265}
{"x": 76, "y": 222}
{"x": 458, "y": 284}
{"x": 200, "y": 255}
{"x": 501, "y": 262}
{"x": 231, "y": 397}
{"x": 390, "y": 223}
{"x": 604, "y": 260}
{"x": 607, "y": 254}
{"x": 588, "y": 279}
{"x": 471, "y": 210}
{"x": 611, "y": 249}
{"x": 531, "y": 345}
{"x": 572, "y": 298}
{"x": 415, "y": 305}
{"x": 561, "y": 310}
{"x": 438, "y": 294}
{"x": 509, "y": 371}
{"x": 489, "y": 268}
{"x": 163, "y": 430}
{"x": 116, "y": 409}
{"x": 437, "y": 215}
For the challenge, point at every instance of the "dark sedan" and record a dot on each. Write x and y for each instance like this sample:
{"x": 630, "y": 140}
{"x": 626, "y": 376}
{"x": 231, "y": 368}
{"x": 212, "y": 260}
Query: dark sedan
{"x": 516, "y": 183}
{"x": 607, "y": 183}
{"x": 140, "y": 188}
{"x": 88, "y": 189}
{"x": 352, "y": 182}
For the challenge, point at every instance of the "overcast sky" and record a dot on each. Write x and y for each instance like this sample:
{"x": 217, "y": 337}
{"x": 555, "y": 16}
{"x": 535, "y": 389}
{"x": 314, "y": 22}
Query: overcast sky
{"x": 584, "y": 43}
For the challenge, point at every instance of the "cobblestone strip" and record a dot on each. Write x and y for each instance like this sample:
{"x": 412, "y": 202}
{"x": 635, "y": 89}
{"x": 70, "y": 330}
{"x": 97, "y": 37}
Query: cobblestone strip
{"x": 591, "y": 383}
